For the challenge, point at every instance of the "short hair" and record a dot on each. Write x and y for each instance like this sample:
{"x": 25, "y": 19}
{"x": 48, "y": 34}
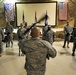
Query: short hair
{"x": 35, "y": 32}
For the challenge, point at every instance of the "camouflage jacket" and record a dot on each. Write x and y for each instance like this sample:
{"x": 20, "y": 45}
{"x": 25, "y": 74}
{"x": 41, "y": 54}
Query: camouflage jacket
{"x": 36, "y": 51}
{"x": 1, "y": 35}
{"x": 50, "y": 35}
{"x": 68, "y": 30}
{"x": 9, "y": 29}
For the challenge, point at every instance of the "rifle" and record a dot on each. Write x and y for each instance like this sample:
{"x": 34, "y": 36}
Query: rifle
{"x": 41, "y": 19}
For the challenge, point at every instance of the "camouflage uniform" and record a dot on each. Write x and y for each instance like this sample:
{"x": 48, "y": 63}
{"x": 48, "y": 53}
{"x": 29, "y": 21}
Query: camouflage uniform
{"x": 67, "y": 34}
{"x": 50, "y": 36}
{"x": 9, "y": 33}
{"x": 20, "y": 33}
{"x": 44, "y": 31}
{"x": 21, "y": 36}
{"x": 36, "y": 51}
{"x": 1, "y": 38}
{"x": 74, "y": 41}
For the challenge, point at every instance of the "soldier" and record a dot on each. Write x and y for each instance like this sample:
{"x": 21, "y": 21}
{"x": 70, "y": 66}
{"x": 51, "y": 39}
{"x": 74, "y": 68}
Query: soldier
{"x": 9, "y": 33}
{"x": 21, "y": 36}
{"x": 67, "y": 34}
{"x": 44, "y": 31}
{"x": 1, "y": 38}
{"x": 74, "y": 41}
{"x": 50, "y": 35}
{"x": 36, "y": 51}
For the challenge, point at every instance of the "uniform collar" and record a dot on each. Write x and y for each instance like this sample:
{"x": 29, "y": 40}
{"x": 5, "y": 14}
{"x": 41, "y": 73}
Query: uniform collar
{"x": 36, "y": 38}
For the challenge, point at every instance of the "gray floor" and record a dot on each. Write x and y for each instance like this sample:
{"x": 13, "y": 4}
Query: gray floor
{"x": 63, "y": 64}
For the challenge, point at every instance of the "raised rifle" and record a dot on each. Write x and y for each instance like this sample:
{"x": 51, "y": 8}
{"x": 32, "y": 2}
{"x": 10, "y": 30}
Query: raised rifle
{"x": 41, "y": 19}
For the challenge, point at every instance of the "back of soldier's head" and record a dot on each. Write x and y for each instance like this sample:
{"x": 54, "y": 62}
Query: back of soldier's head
{"x": 35, "y": 32}
{"x": 49, "y": 27}
{"x": 21, "y": 25}
{"x": 25, "y": 25}
{"x": 8, "y": 23}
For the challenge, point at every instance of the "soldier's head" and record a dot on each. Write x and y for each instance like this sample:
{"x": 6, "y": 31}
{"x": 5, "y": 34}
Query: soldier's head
{"x": 25, "y": 25}
{"x": 21, "y": 25}
{"x": 8, "y": 23}
{"x": 49, "y": 27}
{"x": 35, "y": 32}
{"x": 67, "y": 22}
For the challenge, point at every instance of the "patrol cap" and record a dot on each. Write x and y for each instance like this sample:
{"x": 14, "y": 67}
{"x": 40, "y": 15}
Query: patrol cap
{"x": 35, "y": 32}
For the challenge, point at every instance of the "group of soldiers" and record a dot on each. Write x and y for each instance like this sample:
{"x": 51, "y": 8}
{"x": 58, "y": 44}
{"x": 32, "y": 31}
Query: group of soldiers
{"x": 47, "y": 34}
{"x": 37, "y": 50}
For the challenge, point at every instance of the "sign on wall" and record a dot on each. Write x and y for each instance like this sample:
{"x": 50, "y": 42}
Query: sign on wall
{"x": 36, "y": 9}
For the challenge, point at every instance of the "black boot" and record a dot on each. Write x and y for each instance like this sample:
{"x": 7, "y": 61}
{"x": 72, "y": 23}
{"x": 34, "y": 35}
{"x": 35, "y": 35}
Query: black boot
{"x": 63, "y": 46}
{"x": 73, "y": 54}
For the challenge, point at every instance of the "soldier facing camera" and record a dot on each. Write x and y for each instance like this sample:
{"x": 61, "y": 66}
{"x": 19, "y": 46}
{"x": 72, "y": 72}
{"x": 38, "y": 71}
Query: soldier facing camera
{"x": 67, "y": 34}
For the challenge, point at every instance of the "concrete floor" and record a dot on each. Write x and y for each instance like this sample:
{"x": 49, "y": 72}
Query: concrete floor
{"x": 62, "y": 64}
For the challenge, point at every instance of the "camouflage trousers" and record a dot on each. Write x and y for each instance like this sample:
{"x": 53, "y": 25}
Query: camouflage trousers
{"x": 35, "y": 72}
{"x": 10, "y": 40}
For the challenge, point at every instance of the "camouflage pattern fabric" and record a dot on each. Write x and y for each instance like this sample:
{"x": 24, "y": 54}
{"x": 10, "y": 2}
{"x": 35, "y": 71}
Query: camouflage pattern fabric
{"x": 50, "y": 36}
{"x": 1, "y": 38}
{"x": 36, "y": 51}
